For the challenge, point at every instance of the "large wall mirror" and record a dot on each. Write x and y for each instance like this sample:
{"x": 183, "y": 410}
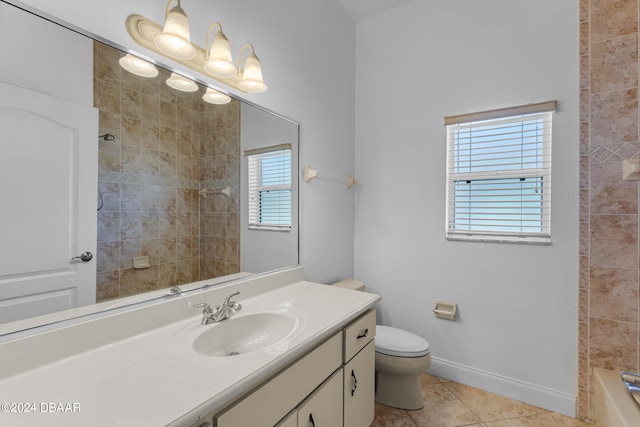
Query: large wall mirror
{"x": 166, "y": 171}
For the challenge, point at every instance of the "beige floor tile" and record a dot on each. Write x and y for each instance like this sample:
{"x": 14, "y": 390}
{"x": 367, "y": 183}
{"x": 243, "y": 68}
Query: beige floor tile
{"x": 442, "y": 409}
{"x": 491, "y": 407}
{"x": 429, "y": 379}
{"x": 391, "y": 417}
{"x": 449, "y": 404}
{"x": 542, "y": 420}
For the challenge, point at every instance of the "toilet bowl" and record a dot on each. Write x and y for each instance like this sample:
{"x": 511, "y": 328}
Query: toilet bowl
{"x": 400, "y": 358}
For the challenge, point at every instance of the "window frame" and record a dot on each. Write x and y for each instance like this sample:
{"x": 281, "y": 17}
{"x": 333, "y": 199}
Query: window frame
{"x": 542, "y": 173}
{"x": 256, "y": 187}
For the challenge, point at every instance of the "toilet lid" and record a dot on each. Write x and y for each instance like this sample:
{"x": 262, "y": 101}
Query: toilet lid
{"x": 397, "y": 342}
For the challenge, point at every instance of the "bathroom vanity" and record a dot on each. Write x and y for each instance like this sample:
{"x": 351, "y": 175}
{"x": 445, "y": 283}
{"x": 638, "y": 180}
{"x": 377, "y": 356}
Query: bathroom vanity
{"x": 335, "y": 378}
{"x": 296, "y": 353}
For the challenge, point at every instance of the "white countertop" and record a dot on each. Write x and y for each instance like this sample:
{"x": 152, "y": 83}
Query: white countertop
{"x": 151, "y": 379}
{"x": 59, "y": 317}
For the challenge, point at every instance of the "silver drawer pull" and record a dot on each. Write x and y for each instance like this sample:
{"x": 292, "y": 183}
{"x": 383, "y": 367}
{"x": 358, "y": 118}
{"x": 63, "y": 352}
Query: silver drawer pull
{"x": 364, "y": 334}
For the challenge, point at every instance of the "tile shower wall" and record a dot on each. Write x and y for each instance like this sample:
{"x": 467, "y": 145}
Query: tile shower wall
{"x": 219, "y": 214}
{"x": 168, "y": 145}
{"x": 609, "y": 256}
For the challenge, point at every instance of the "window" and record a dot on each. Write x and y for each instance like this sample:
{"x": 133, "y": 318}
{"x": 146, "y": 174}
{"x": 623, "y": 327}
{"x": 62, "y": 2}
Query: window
{"x": 270, "y": 187}
{"x": 499, "y": 175}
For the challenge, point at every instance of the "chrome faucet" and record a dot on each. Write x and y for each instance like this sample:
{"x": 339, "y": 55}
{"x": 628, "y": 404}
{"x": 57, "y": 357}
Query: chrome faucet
{"x": 228, "y": 309}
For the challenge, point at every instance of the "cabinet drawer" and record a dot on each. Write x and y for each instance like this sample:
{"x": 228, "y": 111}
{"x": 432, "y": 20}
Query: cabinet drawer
{"x": 273, "y": 400}
{"x": 324, "y": 407}
{"x": 358, "y": 334}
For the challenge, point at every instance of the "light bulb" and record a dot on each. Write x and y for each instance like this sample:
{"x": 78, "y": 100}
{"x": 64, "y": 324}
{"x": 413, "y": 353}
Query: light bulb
{"x": 182, "y": 84}
{"x": 212, "y": 96}
{"x": 252, "y": 75}
{"x": 174, "y": 41}
{"x": 138, "y": 66}
{"x": 219, "y": 62}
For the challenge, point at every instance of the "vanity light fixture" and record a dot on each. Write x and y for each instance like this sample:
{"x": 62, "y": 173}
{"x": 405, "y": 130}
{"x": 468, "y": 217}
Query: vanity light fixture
{"x": 183, "y": 84}
{"x": 212, "y": 96}
{"x": 173, "y": 41}
{"x": 138, "y": 66}
{"x": 146, "y": 69}
{"x": 219, "y": 62}
{"x": 252, "y": 73}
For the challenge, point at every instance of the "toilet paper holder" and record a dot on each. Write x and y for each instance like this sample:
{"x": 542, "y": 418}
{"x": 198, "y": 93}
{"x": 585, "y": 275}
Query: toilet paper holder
{"x": 446, "y": 310}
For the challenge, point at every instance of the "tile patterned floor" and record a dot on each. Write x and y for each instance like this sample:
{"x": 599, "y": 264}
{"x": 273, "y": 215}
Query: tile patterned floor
{"x": 449, "y": 404}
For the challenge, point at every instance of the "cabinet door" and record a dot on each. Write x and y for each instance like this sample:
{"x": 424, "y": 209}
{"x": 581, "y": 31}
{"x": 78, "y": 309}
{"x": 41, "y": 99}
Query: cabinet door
{"x": 324, "y": 407}
{"x": 290, "y": 420}
{"x": 275, "y": 399}
{"x": 359, "y": 392}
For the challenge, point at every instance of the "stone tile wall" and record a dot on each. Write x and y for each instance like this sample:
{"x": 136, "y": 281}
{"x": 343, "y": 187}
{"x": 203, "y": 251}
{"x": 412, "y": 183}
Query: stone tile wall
{"x": 219, "y": 214}
{"x": 609, "y": 253}
{"x": 168, "y": 144}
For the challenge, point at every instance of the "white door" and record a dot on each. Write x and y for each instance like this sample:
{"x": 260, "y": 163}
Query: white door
{"x": 48, "y": 203}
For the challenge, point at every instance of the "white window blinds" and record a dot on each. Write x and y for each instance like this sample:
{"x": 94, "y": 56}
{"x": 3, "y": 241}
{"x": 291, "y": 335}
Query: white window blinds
{"x": 269, "y": 179}
{"x": 499, "y": 175}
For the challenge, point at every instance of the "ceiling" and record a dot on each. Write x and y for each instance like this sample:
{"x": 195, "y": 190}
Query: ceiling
{"x": 362, "y": 9}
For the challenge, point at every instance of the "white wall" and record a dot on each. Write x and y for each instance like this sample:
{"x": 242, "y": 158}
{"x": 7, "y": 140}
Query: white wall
{"x": 307, "y": 54}
{"x": 416, "y": 64}
{"x": 47, "y": 39}
{"x": 266, "y": 250}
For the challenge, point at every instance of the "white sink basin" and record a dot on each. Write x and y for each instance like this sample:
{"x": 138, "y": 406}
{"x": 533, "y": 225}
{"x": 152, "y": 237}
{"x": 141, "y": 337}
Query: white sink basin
{"x": 245, "y": 333}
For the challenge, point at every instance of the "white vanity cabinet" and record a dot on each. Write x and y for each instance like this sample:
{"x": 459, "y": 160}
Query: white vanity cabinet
{"x": 276, "y": 398}
{"x": 331, "y": 386}
{"x": 359, "y": 371}
{"x": 290, "y": 420}
{"x": 324, "y": 406}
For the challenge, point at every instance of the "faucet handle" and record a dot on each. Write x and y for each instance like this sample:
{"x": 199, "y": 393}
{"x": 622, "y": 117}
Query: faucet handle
{"x": 206, "y": 308}
{"x": 227, "y": 300}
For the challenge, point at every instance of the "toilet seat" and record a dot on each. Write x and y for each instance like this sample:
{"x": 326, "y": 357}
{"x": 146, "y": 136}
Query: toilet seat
{"x": 397, "y": 342}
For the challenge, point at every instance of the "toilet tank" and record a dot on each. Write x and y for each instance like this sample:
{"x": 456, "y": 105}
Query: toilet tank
{"x": 354, "y": 284}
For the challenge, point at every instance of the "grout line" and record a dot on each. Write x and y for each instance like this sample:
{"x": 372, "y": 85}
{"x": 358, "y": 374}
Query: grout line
{"x": 481, "y": 423}
{"x": 463, "y": 403}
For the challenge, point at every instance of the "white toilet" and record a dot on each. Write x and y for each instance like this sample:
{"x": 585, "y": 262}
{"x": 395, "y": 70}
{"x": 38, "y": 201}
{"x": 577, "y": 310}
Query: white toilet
{"x": 400, "y": 358}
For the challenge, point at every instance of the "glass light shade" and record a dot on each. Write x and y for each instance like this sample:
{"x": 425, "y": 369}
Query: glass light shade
{"x": 212, "y": 96}
{"x": 181, "y": 83}
{"x": 219, "y": 63}
{"x": 252, "y": 75}
{"x": 175, "y": 41}
{"x": 138, "y": 66}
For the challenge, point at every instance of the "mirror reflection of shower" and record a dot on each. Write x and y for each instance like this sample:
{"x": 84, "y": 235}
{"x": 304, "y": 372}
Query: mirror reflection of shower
{"x": 103, "y": 138}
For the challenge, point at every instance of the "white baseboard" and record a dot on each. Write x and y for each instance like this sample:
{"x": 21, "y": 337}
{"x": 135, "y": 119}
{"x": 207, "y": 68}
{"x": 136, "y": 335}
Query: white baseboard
{"x": 543, "y": 397}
